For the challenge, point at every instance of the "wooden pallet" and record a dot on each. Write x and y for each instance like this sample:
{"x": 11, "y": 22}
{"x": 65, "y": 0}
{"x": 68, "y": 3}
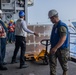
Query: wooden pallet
{"x": 29, "y": 56}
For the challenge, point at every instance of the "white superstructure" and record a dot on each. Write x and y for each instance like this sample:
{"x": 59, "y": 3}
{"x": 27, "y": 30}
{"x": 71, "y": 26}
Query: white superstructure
{"x": 11, "y": 8}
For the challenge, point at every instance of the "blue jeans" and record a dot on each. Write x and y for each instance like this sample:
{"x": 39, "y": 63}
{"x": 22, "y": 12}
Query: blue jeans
{"x": 2, "y": 49}
{"x": 11, "y": 37}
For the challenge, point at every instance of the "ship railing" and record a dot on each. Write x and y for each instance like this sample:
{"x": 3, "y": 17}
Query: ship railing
{"x": 72, "y": 41}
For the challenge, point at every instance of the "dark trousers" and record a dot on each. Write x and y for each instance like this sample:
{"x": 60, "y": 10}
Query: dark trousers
{"x": 20, "y": 42}
{"x": 2, "y": 49}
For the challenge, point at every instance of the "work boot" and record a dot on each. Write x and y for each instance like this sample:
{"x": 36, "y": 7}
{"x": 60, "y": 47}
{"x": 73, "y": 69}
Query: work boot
{"x": 12, "y": 62}
{"x": 65, "y": 73}
{"x": 3, "y": 68}
{"x": 4, "y": 63}
{"x": 23, "y": 66}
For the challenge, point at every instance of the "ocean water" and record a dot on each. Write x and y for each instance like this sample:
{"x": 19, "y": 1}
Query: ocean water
{"x": 72, "y": 41}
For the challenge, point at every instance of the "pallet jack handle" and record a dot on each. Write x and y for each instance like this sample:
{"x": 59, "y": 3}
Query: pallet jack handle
{"x": 45, "y": 42}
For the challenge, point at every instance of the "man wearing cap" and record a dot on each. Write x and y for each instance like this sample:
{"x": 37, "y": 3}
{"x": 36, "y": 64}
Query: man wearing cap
{"x": 20, "y": 33}
{"x": 59, "y": 44}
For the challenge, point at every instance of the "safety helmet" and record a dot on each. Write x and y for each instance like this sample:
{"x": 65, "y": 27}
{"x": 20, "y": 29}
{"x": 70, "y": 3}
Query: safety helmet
{"x": 21, "y": 13}
{"x": 52, "y": 13}
{"x": 11, "y": 21}
{"x": 1, "y": 12}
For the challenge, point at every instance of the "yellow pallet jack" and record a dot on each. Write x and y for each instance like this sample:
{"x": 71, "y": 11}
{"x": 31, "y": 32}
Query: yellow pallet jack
{"x": 43, "y": 55}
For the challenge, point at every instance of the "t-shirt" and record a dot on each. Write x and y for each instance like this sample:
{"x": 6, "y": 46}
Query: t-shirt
{"x": 62, "y": 31}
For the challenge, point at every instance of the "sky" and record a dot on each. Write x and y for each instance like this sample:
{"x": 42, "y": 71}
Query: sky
{"x": 39, "y": 11}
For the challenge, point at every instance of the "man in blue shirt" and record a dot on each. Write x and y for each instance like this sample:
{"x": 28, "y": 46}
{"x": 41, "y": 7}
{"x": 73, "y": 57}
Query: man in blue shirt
{"x": 59, "y": 44}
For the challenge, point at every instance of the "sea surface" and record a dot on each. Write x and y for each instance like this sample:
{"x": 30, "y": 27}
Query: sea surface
{"x": 72, "y": 41}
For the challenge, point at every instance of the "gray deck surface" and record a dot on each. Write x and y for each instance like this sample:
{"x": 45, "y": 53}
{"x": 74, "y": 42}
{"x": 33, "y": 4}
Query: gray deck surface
{"x": 34, "y": 67}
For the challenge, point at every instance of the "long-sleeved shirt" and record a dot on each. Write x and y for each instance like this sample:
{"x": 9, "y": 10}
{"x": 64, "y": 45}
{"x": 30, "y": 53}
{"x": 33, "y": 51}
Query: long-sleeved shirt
{"x": 21, "y": 28}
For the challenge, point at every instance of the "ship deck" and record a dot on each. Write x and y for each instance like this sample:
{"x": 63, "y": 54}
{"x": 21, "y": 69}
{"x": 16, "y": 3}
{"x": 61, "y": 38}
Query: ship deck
{"x": 35, "y": 68}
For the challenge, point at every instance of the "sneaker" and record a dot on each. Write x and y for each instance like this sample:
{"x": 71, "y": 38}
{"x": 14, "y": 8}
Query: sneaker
{"x": 3, "y": 68}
